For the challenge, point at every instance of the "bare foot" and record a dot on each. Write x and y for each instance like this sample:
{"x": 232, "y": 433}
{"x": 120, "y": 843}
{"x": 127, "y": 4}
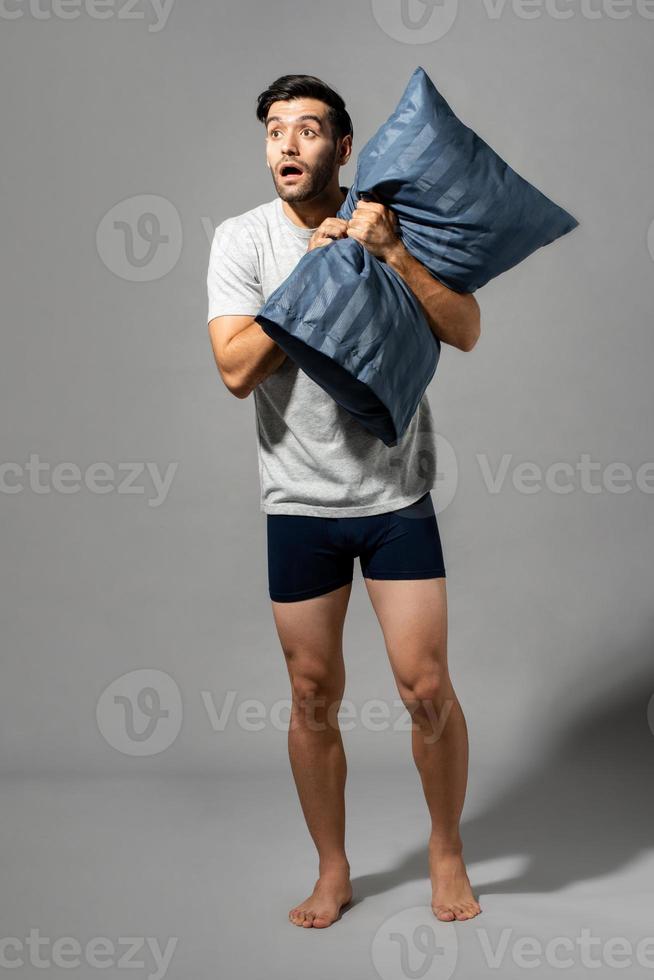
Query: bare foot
{"x": 332, "y": 891}
{"x": 452, "y": 896}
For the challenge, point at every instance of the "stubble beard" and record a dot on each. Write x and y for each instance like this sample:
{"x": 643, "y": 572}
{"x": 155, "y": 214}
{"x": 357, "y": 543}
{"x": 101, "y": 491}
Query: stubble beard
{"x": 312, "y": 183}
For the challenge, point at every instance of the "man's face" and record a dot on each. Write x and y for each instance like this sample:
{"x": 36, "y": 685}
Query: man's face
{"x": 299, "y": 135}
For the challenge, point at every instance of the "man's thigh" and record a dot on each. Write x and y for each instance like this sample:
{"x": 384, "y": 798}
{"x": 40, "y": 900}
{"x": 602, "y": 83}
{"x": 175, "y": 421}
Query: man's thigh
{"x": 311, "y": 635}
{"x": 412, "y": 614}
{"x": 310, "y": 570}
{"x": 405, "y": 577}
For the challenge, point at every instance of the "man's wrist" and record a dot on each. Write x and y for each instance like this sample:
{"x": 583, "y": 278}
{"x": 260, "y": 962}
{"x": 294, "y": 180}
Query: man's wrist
{"x": 396, "y": 255}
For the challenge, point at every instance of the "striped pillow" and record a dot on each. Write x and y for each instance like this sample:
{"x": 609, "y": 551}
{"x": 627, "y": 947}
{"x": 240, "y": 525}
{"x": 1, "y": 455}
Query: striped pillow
{"x": 347, "y": 318}
{"x": 463, "y": 212}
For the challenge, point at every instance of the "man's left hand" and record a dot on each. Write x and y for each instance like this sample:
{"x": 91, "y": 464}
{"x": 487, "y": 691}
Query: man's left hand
{"x": 375, "y": 226}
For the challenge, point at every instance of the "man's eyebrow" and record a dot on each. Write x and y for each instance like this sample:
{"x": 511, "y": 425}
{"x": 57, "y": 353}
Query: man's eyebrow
{"x": 316, "y": 119}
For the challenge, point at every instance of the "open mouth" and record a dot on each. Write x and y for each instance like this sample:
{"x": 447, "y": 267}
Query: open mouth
{"x": 291, "y": 170}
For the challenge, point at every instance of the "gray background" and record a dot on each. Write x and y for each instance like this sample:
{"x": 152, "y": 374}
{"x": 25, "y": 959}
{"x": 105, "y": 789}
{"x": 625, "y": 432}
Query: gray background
{"x": 107, "y": 360}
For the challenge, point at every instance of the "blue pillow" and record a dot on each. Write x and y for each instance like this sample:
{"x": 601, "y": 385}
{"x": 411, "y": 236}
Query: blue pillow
{"x": 346, "y": 317}
{"x": 354, "y": 326}
{"x": 463, "y": 212}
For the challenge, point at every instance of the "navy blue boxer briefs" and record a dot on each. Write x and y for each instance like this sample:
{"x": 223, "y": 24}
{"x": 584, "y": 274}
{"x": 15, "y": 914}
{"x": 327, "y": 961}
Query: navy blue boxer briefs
{"x": 308, "y": 556}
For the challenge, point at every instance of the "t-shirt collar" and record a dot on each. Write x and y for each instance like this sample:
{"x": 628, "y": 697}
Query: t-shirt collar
{"x": 299, "y": 232}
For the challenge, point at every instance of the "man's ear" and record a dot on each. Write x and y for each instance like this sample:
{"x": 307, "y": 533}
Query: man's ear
{"x": 346, "y": 150}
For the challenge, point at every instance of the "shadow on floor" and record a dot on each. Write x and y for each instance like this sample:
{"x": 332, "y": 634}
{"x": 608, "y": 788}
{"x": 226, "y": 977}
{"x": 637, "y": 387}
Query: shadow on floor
{"x": 583, "y": 812}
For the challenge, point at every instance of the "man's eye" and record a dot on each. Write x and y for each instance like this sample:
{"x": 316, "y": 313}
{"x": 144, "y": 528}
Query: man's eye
{"x": 273, "y": 131}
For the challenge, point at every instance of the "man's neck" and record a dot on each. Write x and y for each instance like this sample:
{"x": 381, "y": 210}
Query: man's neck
{"x": 311, "y": 214}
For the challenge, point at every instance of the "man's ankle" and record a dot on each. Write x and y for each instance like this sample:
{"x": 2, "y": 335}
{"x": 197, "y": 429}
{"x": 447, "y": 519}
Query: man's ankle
{"x": 333, "y": 865}
{"x": 445, "y": 845}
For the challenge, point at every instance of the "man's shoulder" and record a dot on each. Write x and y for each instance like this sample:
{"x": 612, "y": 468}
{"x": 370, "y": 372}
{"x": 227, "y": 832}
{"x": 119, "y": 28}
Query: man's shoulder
{"x": 254, "y": 220}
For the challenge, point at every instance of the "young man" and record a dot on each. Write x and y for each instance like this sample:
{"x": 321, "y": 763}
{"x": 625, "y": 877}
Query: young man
{"x": 333, "y": 491}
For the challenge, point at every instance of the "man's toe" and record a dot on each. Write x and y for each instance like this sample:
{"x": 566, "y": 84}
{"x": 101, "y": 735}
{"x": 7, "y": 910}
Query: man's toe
{"x": 464, "y": 911}
{"x": 321, "y": 920}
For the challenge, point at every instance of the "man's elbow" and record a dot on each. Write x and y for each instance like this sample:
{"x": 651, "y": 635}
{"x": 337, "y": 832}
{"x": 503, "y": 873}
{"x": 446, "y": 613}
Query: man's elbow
{"x": 240, "y": 392}
{"x": 469, "y": 339}
{"x": 473, "y": 327}
{"x": 235, "y": 383}
{"x": 237, "y": 386}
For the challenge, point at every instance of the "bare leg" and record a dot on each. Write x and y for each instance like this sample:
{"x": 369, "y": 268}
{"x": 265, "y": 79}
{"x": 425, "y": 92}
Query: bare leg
{"x": 413, "y": 617}
{"x": 311, "y": 633}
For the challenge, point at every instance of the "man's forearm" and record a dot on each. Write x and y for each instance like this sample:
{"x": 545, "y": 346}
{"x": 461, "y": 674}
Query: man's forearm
{"x": 252, "y": 356}
{"x": 453, "y": 317}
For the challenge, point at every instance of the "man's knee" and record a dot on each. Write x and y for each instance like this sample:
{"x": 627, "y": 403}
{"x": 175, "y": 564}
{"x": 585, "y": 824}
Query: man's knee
{"x": 427, "y": 686}
{"x": 316, "y": 699}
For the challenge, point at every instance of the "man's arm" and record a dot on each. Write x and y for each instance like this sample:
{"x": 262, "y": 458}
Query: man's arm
{"x": 244, "y": 354}
{"x": 453, "y": 317}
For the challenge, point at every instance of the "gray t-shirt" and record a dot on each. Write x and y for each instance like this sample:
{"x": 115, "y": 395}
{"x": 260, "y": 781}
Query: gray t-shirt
{"x": 314, "y": 457}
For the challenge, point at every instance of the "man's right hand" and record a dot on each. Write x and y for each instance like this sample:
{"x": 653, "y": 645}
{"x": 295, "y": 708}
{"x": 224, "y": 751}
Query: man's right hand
{"x": 330, "y": 230}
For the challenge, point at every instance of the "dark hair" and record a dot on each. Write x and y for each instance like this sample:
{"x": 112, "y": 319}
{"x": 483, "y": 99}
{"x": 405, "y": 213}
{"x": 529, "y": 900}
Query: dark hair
{"x": 307, "y": 86}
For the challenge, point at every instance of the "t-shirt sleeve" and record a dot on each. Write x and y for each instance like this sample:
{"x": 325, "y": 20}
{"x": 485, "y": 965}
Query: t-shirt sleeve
{"x": 233, "y": 285}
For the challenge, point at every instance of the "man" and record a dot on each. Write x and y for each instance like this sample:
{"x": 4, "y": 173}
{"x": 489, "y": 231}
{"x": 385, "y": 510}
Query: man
{"x": 333, "y": 491}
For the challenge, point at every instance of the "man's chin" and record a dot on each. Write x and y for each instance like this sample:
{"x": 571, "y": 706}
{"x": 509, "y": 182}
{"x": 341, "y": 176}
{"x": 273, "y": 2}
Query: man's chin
{"x": 294, "y": 193}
